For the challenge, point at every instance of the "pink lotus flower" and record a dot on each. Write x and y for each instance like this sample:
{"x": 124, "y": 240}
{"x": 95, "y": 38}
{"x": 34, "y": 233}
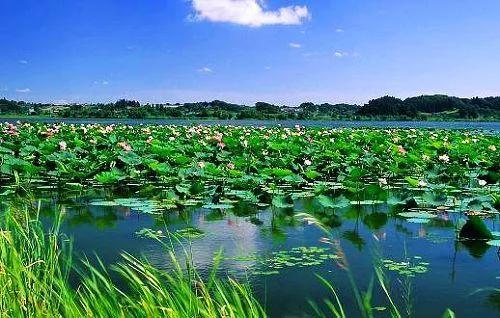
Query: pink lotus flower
{"x": 307, "y": 162}
{"x": 125, "y": 146}
{"x": 230, "y": 165}
{"x": 401, "y": 149}
{"x": 201, "y": 164}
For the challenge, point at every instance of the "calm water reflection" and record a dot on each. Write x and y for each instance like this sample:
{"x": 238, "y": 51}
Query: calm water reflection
{"x": 455, "y": 269}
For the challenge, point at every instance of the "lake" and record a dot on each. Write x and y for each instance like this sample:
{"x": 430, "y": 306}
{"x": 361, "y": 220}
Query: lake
{"x": 492, "y": 126}
{"x": 447, "y": 272}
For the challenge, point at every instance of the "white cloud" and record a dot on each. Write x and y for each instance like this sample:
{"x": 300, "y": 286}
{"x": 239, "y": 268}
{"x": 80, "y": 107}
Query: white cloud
{"x": 341, "y": 54}
{"x": 339, "y": 30}
{"x": 205, "y": 69}
{"x": 295, "y": 45}
{"x": 248, "y": 12}
{"x": 23, "y": 62}
{"x": 23, "y": 90}
{"x": 267, "y": 68}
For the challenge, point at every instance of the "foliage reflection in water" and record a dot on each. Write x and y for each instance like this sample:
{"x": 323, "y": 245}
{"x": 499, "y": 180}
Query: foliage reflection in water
{"x": 276, "y": 249}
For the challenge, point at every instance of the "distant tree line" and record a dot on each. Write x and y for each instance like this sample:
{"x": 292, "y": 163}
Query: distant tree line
{"x": 425, "y": 107}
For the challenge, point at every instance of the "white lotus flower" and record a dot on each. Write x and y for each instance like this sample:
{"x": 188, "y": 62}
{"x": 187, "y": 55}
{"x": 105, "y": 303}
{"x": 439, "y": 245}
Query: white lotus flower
{"x": 382, "y": 181}
{"x": 444, "y": 158}
{"x": 422, "y": 183}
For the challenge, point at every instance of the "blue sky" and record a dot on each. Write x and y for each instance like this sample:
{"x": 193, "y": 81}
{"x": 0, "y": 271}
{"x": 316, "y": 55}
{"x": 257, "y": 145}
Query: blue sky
{"x": 280, "y": 51}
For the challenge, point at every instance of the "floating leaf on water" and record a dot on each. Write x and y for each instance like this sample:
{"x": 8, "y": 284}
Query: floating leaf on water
{"x": 417, "y": 215}
{"x": 214, "y": 206}
{"x": 104, "y": 203}
{"x": 190, "y": 232}
{"x": 150, "y": 233}
{"x": 367, "y": 202}
{"x": 406, "y": 267}
{"x": 301, "y": 256}
{"x": 494, "y": 243}
{"x": 281, "y": 202}
{"x": 304, "y": 194}
{"x": 336, "y": 203}
{"x": 418, "y": 220}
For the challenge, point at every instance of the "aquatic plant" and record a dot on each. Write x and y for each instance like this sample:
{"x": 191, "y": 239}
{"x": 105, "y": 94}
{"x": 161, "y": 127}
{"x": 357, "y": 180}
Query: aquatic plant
{"x": 408, "y": 267}
{"x": 191, "y": 159}
{"x": 300, "y": 256}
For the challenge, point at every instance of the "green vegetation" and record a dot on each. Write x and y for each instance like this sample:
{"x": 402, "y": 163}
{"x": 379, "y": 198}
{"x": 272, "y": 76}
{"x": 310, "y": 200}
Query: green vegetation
{"x": 427, "y": 107}
{"x": 300, "y": 256}
{"x": 238, "y": 161}
{"x": 421, "y": 176}
{"x": 35, "y": 268}
{"x": 408, "y": 267}
{"x": 36, "y": 265}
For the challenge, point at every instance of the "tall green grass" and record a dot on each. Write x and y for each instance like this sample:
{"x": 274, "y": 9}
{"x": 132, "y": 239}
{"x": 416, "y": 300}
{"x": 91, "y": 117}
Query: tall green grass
{"x": 35, "y": 265}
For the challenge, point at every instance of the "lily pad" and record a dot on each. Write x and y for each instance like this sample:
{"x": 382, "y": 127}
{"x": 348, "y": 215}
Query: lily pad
{"x": 494, "y": 243}
{"x": 417, "y": 215}
{"x": 104, "y": 203}
{"x": 214, "y": 206}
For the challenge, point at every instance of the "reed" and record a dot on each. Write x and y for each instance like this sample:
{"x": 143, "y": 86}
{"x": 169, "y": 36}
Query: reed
{"x": 35, "y": 265}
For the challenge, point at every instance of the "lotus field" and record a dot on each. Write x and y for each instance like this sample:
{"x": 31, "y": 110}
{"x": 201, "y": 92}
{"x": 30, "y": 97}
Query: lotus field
{"x": 194, "y": 159}
{"x": 292, "y": 205}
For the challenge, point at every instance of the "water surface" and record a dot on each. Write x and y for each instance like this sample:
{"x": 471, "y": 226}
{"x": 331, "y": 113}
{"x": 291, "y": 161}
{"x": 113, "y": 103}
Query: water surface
{"x": 247, "y": 236}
